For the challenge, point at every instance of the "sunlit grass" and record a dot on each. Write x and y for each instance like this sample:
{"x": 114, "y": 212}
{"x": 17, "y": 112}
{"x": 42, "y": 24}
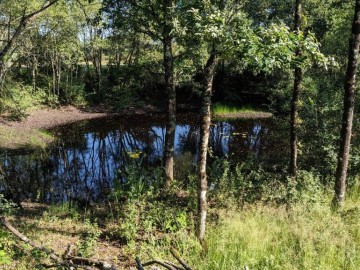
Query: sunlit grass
{"x": 12, "y": 138}
{"x": 304, "y": 233}
{"x": 269, "y": 237}
{"x": 220, "y": 108}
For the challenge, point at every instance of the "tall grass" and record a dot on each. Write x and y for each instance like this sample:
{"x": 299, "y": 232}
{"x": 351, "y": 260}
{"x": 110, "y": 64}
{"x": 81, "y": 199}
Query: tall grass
{"x": 220, "y": 108}
{"x": 269, "y": 237}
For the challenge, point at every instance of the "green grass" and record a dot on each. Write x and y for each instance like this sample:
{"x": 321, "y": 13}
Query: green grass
{"x": 13, "y": 138}
{"x": 304, "y": 233}
{"x": 221, "y": 108}
{"x": 269, "y": 237}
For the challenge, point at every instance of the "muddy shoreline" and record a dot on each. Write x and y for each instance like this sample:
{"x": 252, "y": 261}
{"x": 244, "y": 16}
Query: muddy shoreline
{"x": 32, "y": 132}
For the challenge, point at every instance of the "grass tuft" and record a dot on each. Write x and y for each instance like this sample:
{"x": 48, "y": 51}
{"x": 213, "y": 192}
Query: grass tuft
{"x": 221, "y": 108}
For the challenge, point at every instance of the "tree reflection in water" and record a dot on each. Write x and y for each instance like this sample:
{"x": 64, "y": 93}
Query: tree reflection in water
{"x": 88, "y": 155}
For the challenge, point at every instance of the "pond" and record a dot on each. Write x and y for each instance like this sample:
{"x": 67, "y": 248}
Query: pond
{"x": 89, "y": 154}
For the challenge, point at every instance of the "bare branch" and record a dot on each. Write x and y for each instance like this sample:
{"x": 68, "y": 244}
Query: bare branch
{"x": 179, "y": 259}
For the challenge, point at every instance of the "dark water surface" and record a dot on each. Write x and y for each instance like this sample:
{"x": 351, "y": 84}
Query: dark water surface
{"x": 89, "y": 154}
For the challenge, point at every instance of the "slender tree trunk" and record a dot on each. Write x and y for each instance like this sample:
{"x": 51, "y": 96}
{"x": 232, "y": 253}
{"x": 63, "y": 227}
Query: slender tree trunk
{"x": 54, "y": 75}
{"x": 97, "y": 71}
{"x": 171, "y": 93}
{"x": 348, "y": 113}
{"x": 295, "y": 100}
{"x": 204, "y": 142}
{"x": 2, "y": 73}
{"x": 34, "y": 71}
{"x": 59, "y": 73}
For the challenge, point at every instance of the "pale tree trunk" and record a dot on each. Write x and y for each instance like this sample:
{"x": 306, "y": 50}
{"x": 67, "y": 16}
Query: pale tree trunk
{"x": 204, "y": 142}
{"x": 171, "y": 94}
{"x": 53, "y": 74}
{"x": 348, "y": 113}
{"x": 295, "y": 100}
{"x": 34, "y": 66}
{"x": 58, "y": 75}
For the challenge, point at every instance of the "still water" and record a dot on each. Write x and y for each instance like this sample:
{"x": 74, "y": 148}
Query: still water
{"x": 89, "y": 154}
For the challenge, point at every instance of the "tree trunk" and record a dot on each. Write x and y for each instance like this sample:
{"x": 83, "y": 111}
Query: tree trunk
{"x": 348, "y": 114}
{"x": 295, "y": 99}
{"x": 34, "y": 66}
{"x": 171, "y": 93}
{"x": 204, "y": 142}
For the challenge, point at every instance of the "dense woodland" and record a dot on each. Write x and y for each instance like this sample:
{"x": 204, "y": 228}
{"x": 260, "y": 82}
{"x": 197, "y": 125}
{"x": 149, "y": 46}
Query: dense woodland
{"x": 296, "y": 59}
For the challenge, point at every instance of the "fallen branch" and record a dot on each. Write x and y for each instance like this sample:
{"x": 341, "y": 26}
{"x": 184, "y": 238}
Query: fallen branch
{"x": 66, "y": 260}
{"x": 139, "y": 266}
{"x": 86, "y": 261}
{"x": 179, "y": 259}
{"x": 167, "y": 265}
{"x": 163, "y": 264}
{"x": 23, "y": 238}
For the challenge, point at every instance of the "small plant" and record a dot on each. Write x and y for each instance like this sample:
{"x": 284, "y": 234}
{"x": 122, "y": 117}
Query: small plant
{"x": 88, "y": 239}
{"x": 6, "y": 206}
{"x": 6, "y": 250}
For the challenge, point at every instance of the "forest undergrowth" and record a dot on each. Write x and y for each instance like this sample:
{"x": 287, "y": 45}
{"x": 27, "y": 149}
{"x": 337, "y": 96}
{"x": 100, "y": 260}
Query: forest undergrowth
{"x": 257, "y": 220}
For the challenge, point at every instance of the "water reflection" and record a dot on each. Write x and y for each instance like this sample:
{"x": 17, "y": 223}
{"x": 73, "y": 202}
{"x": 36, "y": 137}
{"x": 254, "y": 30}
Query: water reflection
{"x": 88, "y": 155}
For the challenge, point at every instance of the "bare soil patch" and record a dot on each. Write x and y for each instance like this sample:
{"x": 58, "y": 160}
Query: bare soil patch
{"x": 48, "y": 118}
{"x": 31, "y": 131}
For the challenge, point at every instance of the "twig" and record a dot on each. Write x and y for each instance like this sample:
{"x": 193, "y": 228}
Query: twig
{"x": 179, "y": 259}
{"x": 67, "y": 260}
{"x": 23, "y": 238}
{"x": 163, "y": 264}
{"x": 86, "y": 261}
{"x": 138, "y": 264}
{"x": 174, "y": 265}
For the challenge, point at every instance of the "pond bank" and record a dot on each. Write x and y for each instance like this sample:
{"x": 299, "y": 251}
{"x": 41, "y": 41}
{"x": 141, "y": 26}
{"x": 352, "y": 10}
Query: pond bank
{"x": 31, "y": 132}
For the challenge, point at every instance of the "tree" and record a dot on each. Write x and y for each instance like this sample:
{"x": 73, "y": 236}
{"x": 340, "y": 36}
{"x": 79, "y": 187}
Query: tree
{"x": 214, "y": 32}
{"x": 13, "y": 29}
{"x": 295, "y": 98}
{"x": 223, "y": 32}
{"x": 348, "y": 113}
{"x": 170, "y": 91}
{"x": 154, "y": 19}
{"x": 91, "y": 26}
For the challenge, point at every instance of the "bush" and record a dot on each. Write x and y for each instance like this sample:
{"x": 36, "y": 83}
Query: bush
{"x": 16, "y": 100}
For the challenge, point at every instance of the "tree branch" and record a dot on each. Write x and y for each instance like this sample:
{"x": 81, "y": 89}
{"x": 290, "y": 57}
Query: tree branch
{"x": 68, "y": 261}
{"x": 179, "y": 259}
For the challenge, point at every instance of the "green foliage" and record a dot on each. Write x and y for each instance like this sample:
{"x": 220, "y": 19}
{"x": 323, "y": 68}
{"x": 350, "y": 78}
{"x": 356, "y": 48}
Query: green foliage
{"x": 273, "y": 47}
{"x": 5, "y": 248}
{"x": 88, "y": 239}
{"x": 6, "y": 242}
{"x": 135, "y": 182}
{"x": 240, "y": 184}
{"x": 153, "y": 222}
{"x": 6, "y": 206}
{"x": 307, "y": 189}
{"x": 17, "y": 99}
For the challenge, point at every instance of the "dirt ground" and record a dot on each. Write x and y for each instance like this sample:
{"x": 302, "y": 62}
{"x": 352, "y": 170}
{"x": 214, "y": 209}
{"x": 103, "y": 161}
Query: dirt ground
{"x": 48, "y": 118}
{"x": 31, "y": 132}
